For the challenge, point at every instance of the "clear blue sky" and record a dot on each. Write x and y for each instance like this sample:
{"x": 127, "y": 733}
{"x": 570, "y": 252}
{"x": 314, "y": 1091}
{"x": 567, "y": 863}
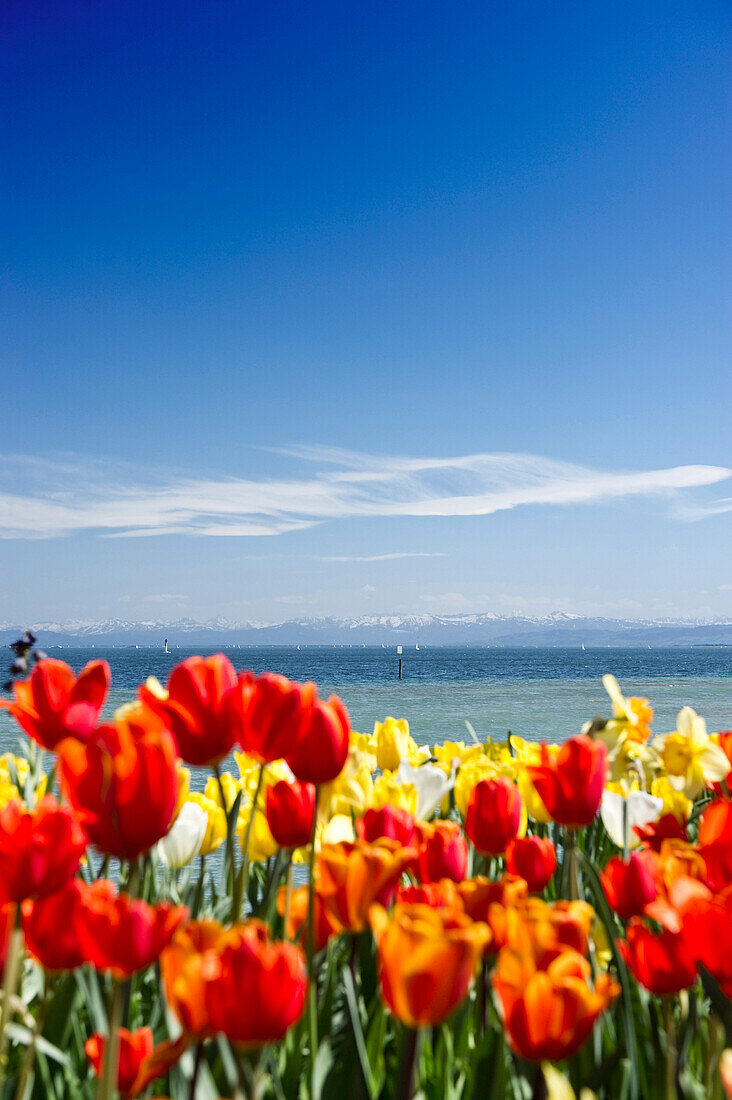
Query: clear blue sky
{"x": 438, "y": 238}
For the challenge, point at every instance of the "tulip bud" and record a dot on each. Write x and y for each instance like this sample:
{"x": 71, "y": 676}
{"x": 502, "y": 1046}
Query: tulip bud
{"x": 532, "y": 859}
{"x": 290, "y": 810}
{"x": 494, "y": 815}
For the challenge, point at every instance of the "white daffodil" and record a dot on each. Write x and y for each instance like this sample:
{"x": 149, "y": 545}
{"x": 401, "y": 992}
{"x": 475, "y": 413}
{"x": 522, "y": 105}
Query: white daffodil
{"x": 185, "y": 838}
{"x": 689, "y": 757}
{"x": 431, "y": 785}
{"x": 619, "y": 812}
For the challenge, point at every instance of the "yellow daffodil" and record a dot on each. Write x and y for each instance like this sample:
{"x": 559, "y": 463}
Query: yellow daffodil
{"x": 457, "y": 753}
{"x": 634, "y": 714}
{"x": 215, "y": 833}
{"x": 689, "y": 757}
{"x": 674, "y": 802}
{"x": 389, "y": 791}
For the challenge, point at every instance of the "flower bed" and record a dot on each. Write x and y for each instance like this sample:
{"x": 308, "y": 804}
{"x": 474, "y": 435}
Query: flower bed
{"x": 355, "y": 915}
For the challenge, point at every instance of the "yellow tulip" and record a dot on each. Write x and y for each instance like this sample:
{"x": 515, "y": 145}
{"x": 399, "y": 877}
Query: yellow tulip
{"x": 262, "y": 844}
{"x": 349, "y": 793}
{"x": 230, "y": 786}
{"x": 388, "y": 791}
{"x": 457, "y": 752}
{"x": 393, "y": 743}
{"x": 216, "y": 828}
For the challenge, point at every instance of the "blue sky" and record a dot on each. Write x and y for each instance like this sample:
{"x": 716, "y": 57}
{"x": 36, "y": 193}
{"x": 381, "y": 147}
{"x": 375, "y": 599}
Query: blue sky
{"x": 350, "y": 309}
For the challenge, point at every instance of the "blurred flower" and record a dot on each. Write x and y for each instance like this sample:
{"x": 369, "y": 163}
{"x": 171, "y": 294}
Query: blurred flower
{"x": 121, "y": 934}
{"x": 559, "y": 1088}
{"x": 215, "y": 832}
{"x": 262, "y": 844}
{"x": 533, "y": 859}
{"x": 134, "y": 1047}
{"x": 184, "y": 787}
{"x": 443, "y": 851}
{"x": 275, "y": 714}
{"x": 185, "y": 965}
{"x": 54, "y": 703}
{"x": 707, "y": 934}
{"x": 14, "y": 774}
{"x": 479, "y": 895}
{"x": 326, "y": 924}
{"x": 40, "y": 849}
{"x": 689, "y": 756}
{"x": 457, "y": 754}
{"x": 393, "y": 743}
{"x": 470, "y": 774}
{"x": 571, "y": 786}
{"x": 725, "y": 1072}
{"x": 351, "y": 877}
{"x": 351, "y": 791}
{"x": 633, "y": 714}
{"x": 549, "y": 1013}
{"x": 660, "y": 961}
{"x": 390, "y": 791}
{"x": 427, "y": 960}
{"x": 199, "y": 708}
{"x": 431, "y": 785}
{"x": 494, "y": 816}
{"x": 630, "y": 886}
{"x": 123, "y": 783}
{"x": 622, "y": 815}
{"x": 185, "y": 837}
{"x": 51, "y": 927}
{"x": 365, "y": 746}
{"x": 290, "y": 810}
{"x": 674, "y": 802}
{"x": 387, "y": 822}
{"x": 439, "y": 895}
{"x": 323, "y": 746}
{"x": 335, "y": 831}
{"x": 231, "y": 788}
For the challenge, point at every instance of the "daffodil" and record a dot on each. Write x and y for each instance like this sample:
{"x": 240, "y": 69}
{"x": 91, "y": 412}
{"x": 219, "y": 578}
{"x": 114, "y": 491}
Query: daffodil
{"x": 389, "y": 791}
{"x": 689, "y": 757}
{"x": 674, "y": 802}
{"x": 634, "y": 714}
{"x": 455, "y": 753}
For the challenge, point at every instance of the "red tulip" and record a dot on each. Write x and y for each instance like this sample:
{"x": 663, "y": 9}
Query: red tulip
{"x": 134, "y": 1048}
{"x": 123, "y": 935}
{"x": 531, "y": 858}
{"x": 493, "y": 816}
{"x": 257, "y": 988}
{"x": 51, "y": 927}
{"x": 123, "y": 783}
{"x": 274, "y": 711}
{"x": 571, "y": 786}
{"x": 443, "y": 852}
{"x": 323, "y": 745}
{"x": 40, "y": 849}
{"x": 662, "y": 963}
{"x": 707, "y": 932}
{"x": 54, "y": 703}
{"x": 290, "y": 812}
{"x": 715, "y": 840}
{"x": 387, "y": 822}
{"x": 630, "y": 886}
{"x": 200, "y": 708}
{"x": 668, "y": 827}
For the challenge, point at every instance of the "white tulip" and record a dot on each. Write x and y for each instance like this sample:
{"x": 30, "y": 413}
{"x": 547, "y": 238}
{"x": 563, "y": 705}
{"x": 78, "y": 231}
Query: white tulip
{"x": 185, "y": 838}
{"x": 641, "y": 809}
{"x": 431, "y": 784}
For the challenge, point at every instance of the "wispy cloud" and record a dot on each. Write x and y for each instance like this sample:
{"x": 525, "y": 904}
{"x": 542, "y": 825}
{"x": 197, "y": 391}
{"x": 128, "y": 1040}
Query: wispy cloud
{"x": 382, "y": 557}
{"x": 61, "y": 499}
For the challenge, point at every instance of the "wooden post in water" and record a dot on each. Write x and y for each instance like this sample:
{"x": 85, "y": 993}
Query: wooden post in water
{"x": 399, "y": 654}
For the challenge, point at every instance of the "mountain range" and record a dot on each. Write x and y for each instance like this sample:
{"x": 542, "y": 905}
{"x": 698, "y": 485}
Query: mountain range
{"x": 556, "y": 629}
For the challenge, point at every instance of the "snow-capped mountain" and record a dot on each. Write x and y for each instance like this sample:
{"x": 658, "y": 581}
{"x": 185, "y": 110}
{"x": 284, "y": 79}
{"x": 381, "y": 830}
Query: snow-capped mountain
{"x": 556, "y": 629}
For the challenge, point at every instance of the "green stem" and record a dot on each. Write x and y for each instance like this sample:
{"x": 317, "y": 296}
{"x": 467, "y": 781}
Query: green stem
{"x": 671, "y": 1054}
{"x": 310, "y": 944}
{"x": 230, "y": 827}
{"x": 411, "y": 1041}
{"x": 30, "y": 1052}
{"x": 107, "y": 1086}
{"x": 570, "y": 850}
{"x": 241, "y": 881}
{"x": 13, "y": 964}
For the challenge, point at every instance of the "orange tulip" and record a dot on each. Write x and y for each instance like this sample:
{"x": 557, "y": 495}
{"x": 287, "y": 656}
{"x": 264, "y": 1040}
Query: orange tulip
{"x": 549, "y": 1013}
{"x": 257, "y": 992}
{"x": 439, "y": 895}
{"x": 480, "y": 893}
{"x": 427, "y": 960}
{"x": 185, "y": 964}
{"x": 443, "y": 851}
{"x": 40, "y": 849}
{"x": 121, "y": 934}
{"x": 352, "y": 875}
{"x": 54, "y": 703}
{"x": 571, "y": 785}
{"x": 123, "y": 783}
{"x": 326, "y": 925}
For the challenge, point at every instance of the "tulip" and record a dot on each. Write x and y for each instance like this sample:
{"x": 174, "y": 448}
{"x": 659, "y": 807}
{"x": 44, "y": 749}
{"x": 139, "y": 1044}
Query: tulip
{"x": 427, "y": 960}
{"x": 431, "y": 785}
{"x": 7, "y": 921}
{"x": 274, "y": 714}
{"x": 259, "y": 988}
{"x": 290, "y": 813}
{"x": 134, "y": 1048}
{"x": 389, "y": 822}
{"x": 54, "y": 703}
{"x": 439, "y": 895}
{"x": 571, "y": 786}
{"x": 715, "y": 840}
{"x": 323, "y": 745}
{"x": 184, "y": 965}
{"x": 121, "y": 934}
{"x": 661, "y": 962}
{"x": 707, "y": 933}
{"x": 124, "y": 784}
{"x": 668, "y": 827}
{"x": 215, "y": 833}
{"x": 531, "y": 858}
{"x": 392, "y": 743}
{"x": 325, "y": 924}
{"x": 478, "y": 895}
{"x": 40, "y": 850}
{"x": 549, "y": 1013}
{"x": 350, "y": 877}
{"x": 630, "y": 886}
{"x": 185, "y": 838}
{"x": 443, "y": 852}
{"x": 623, "y": 815}
{"x": 494, "y": 815}
{"x": 51, "y": 927}
{"x": 200, "y": 708}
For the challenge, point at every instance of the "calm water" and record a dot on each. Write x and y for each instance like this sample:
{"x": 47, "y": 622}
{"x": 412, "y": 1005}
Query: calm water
{"x": 539, "y": 693}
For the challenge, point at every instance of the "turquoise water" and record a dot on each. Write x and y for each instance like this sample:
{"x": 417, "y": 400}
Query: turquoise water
{"x": 538, "y": 693}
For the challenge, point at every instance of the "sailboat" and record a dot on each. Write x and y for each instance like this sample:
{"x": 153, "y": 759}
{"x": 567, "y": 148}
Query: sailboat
{"x": 583, "y": 647}
{"x": 166, "y": 646}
